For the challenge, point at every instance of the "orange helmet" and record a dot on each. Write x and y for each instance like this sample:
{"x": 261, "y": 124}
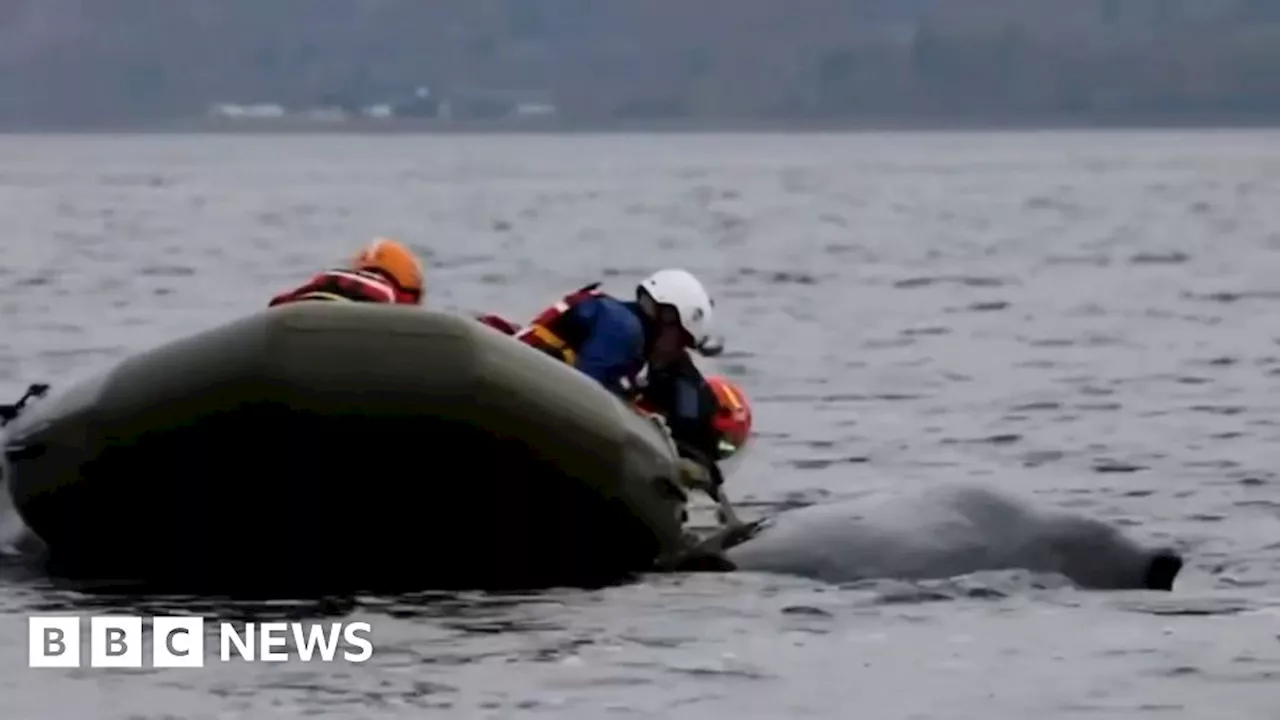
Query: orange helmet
{"x": 733, "y": 416}
{"x": 395, "y": 261}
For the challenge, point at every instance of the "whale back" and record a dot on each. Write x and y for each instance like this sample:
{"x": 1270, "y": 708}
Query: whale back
{"x": 948, "y": 531}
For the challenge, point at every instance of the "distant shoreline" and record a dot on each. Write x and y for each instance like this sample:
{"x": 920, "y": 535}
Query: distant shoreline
{"x": 885, "y": 123}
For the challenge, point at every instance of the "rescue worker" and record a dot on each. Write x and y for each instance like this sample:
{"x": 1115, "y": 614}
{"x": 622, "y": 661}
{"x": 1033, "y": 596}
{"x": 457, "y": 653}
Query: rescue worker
{"x": 384, "y": 271}
{"x": 612, "y": 341}
{"x": 718, "y": 422}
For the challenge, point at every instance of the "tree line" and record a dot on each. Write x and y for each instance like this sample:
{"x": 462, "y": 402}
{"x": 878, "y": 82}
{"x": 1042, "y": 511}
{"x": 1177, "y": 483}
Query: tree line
{"x": 121, "y": 61}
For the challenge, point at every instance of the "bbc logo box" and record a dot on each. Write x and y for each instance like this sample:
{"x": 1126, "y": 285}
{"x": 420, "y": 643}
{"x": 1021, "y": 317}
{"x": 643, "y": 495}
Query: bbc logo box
{"x": 179, "y": 641}
{"x": 115, "y": 642}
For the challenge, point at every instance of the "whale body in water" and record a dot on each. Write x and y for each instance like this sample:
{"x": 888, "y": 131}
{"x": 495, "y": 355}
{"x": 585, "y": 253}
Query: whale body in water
{"x": 947, "y": 531}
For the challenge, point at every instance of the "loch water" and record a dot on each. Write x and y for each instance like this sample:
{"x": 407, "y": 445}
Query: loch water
{"x": 1086, "y": 319}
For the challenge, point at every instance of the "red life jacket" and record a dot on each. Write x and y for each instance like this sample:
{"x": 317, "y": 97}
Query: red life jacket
{"x": 552, "y": 333}
{"x": 348, "y": 286}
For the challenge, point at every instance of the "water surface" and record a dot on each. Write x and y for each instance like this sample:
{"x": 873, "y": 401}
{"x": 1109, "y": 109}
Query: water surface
{"x": 1087, "y": 319}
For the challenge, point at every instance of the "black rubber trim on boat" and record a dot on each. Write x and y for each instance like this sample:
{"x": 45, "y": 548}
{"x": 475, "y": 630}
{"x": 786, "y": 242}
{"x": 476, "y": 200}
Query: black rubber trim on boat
{"x": 25, "y": 452}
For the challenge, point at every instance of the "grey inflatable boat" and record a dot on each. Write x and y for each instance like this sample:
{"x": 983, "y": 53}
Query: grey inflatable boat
{"x": 326, "y": 447}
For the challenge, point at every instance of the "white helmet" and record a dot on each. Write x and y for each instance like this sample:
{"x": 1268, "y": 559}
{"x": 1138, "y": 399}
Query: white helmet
{"x": 682, "y": 291}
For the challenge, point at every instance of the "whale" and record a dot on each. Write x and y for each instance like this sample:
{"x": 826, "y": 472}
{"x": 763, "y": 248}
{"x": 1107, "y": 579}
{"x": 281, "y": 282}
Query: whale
{"x": 946, "y": 531}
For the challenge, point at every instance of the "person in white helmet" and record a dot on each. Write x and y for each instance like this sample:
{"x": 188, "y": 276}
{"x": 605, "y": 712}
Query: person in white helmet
{"x": 680, "y": 318}
{"x": 612, "y": 341}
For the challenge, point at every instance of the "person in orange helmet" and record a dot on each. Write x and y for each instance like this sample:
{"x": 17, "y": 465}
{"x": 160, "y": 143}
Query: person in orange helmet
{"x": 384, "y": 271}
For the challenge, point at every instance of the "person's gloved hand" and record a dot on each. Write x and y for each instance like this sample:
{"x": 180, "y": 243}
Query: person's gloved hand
{"x": 693, "y": 474}
{"x": 659, "y": 420}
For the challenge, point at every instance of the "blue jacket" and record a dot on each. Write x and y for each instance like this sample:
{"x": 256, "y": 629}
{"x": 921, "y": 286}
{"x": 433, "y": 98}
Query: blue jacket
{"x": 613, "y": 345}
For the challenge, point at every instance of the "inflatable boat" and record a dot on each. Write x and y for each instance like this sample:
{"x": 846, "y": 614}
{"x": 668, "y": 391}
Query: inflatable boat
{"x": 326, "y": 447}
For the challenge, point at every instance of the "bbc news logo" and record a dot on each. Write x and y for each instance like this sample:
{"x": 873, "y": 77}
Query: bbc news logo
{"x": 117, "y": 641}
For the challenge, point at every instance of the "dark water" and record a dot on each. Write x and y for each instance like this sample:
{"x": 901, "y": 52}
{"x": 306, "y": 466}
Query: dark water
{"x": 1089, "y": 319}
